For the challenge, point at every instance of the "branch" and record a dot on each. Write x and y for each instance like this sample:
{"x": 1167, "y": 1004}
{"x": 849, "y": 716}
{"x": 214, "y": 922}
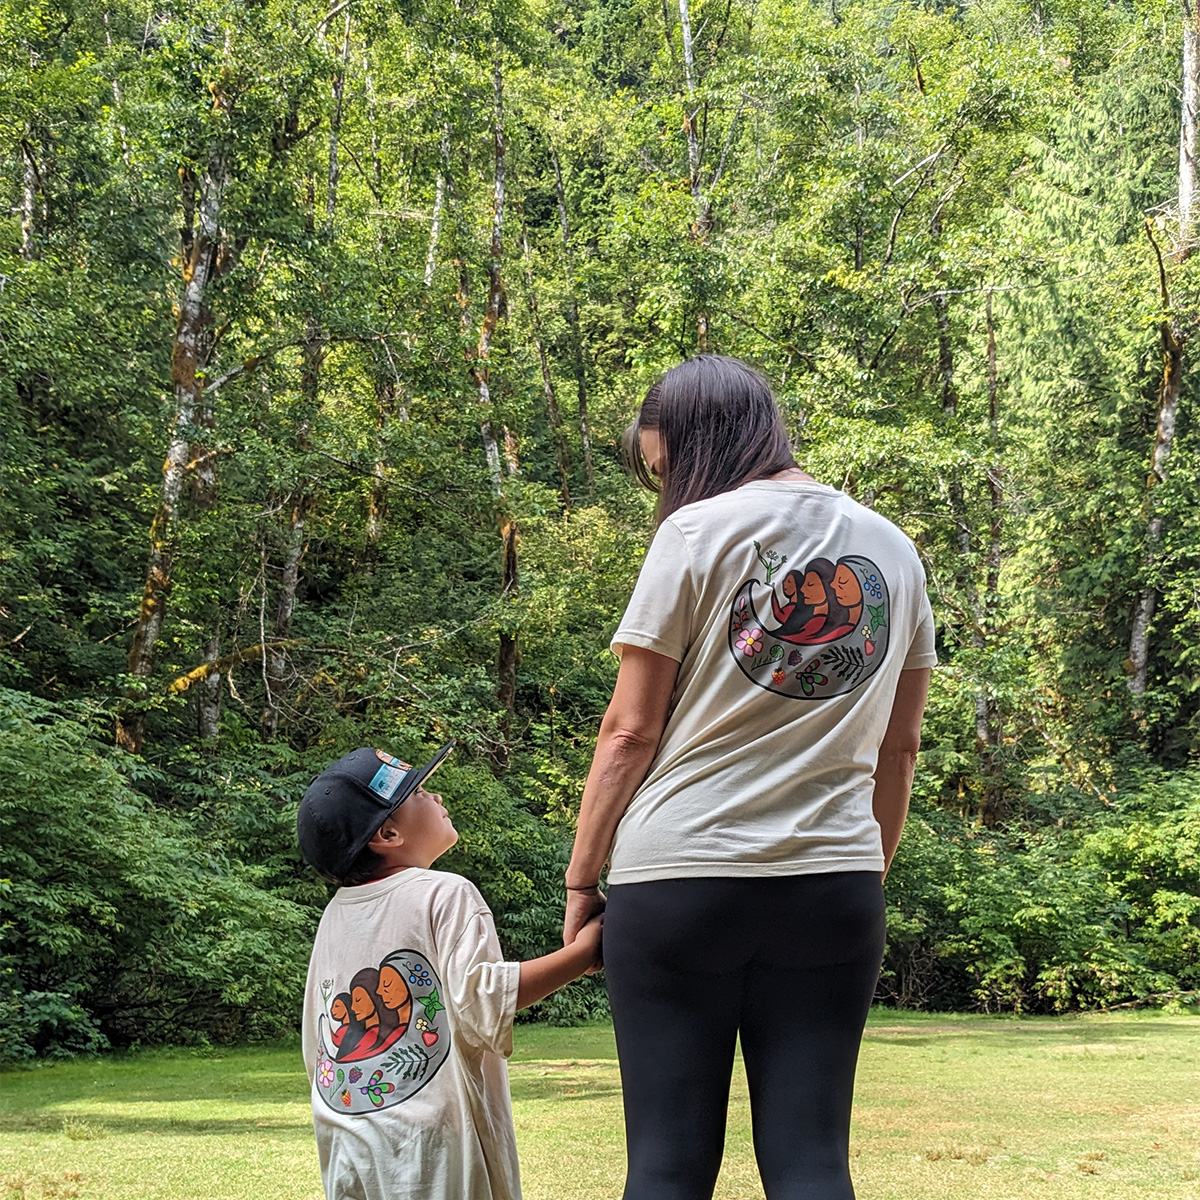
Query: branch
{"x": 1162, "y": 270}
{"x": 204, "y": 670}
{"x": 333, "y": 12}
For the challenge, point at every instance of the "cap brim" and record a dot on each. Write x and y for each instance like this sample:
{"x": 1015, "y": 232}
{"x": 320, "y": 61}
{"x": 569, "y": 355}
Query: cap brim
{"x": 417, "y": 775}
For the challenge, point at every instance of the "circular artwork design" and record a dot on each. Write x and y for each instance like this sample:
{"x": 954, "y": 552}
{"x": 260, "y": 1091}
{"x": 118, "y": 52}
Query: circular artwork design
{"x": 383, "y": 1038}
{"x": 828, "y": 630}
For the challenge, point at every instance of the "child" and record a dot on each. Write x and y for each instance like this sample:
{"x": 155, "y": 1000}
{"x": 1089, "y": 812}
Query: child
{"x": 408, "y": 1010}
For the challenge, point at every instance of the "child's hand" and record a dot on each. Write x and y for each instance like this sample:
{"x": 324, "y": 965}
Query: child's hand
{"x": 589, "y": 939}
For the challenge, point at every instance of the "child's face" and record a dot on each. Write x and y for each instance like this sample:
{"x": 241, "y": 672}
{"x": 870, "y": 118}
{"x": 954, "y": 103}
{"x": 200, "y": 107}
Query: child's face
{"x": 425, "y": 825}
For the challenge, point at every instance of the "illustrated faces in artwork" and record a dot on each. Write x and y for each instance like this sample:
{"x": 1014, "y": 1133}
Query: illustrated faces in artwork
{"x": 394, "y": 993}
{"x": 813, "y": 591}
{"x": 339, "y": 1010}
{"x": 363, "y": 996}
{"x": 848, "y": 590}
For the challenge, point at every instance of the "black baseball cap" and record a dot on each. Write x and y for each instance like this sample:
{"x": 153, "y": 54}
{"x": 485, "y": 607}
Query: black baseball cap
{"x": 350, "y": 799}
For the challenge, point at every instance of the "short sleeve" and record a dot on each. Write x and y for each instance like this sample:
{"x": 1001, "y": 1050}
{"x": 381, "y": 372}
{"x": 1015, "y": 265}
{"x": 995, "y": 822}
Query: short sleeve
{"x": 921, "y": 652}
{"x": 482, "y": 987}
{"x": 659, "y": 616}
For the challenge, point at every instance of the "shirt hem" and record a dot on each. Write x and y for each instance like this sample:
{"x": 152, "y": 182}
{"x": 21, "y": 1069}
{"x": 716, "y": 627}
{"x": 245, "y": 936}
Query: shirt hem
{"x": 725, "y": 870}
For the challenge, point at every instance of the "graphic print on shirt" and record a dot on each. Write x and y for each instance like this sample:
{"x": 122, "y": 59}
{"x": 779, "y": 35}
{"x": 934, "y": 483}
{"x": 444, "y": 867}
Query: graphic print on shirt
{"x": 380, "y": 1038}
{"x": 828, "y": 630}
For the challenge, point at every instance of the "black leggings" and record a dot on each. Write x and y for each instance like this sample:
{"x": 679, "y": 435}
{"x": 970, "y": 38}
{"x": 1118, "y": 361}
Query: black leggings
{"x": 787, "y": 962}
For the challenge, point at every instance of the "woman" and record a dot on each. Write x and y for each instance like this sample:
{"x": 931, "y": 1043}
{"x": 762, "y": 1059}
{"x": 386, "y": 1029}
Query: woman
{"x": 749, "y": 828}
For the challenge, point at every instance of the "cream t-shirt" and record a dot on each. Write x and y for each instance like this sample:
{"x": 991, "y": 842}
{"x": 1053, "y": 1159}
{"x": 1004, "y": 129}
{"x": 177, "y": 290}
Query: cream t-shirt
{"x": 408, "y": 1015}
{"x": 791, "y": 610}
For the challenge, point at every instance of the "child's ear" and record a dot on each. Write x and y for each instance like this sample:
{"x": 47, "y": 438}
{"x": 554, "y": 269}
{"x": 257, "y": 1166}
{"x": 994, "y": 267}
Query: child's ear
{"x": 387, "y": 837}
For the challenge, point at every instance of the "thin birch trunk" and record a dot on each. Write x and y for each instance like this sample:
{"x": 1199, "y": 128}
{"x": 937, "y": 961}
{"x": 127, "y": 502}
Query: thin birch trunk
{"x": 30, "y": 185}
{"x": 481, "y": 368}
{"x": 689, "y": 115}
{"x": 439, "y": 201}
{"x": 1189, "y": 116}
{"x": 577, "y": 362}
{"x": 208, "y": 700}
{"x": 200, "y": 241}
{"x": 335, "y": 130}
{"x": 509, "y": 649}
{"x": 1170, "y": 387}
{"x": 703, "y": 217}
{"x": 987, "y": 710}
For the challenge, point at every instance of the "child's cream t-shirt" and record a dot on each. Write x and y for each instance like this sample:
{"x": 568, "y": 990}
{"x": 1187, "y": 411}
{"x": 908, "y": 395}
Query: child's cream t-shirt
{"x": 791, "y": 610}
{"x": 408, "y": 1015}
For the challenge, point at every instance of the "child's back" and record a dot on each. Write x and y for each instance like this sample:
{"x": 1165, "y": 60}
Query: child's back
{"x": 408, "y": 1017}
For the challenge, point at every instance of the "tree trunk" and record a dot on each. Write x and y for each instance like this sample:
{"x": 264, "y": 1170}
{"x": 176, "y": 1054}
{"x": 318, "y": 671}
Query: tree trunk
{"x": 275, "y": 655}
{"x": 335, "y": 130}
{"x": 577, "y": 363}
{"x": 208, "y": 702}
{"x": 690, "y": 111}
{"x": 439, "y": 201}
{"x": 562, "y": 452}
{"x": 987, "y": 711}
{"x": 31, "y": 185}
{"x": 1189, "y": 114}
{"x": 200, "y": 239}
{"x": 1172, "y": 342}
{"x": 509, "y": 650}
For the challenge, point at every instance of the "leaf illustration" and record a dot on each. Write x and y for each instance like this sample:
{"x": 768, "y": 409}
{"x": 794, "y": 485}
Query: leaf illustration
{"x": 878, "y": 616}
{"x": 408, "y": 1063}
{"x": 432, "y": 1005}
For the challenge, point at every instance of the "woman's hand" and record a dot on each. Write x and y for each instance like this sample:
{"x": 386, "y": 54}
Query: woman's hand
{"x": 582, "y": 906}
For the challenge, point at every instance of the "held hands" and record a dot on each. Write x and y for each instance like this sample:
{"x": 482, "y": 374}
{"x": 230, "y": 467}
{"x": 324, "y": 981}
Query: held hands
{"x": 590, "y": 939}
{"x": 582, "y": 906}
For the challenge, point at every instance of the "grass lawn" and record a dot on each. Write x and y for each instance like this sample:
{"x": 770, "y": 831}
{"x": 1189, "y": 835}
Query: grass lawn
{"x": 952, "y": 1108}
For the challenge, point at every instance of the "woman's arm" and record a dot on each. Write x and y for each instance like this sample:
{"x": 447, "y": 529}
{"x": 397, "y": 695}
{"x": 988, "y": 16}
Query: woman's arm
{"x": 629, "y": 736}
{"x": 898, "y": 758}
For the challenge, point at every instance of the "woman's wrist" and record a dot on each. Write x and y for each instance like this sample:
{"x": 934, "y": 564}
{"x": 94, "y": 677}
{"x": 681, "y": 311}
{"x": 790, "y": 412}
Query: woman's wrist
{"x": 581, "y": 887}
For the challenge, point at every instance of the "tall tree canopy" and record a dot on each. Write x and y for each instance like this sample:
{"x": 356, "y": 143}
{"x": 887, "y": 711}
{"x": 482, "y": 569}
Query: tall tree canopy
{"x": 319, "y": 326}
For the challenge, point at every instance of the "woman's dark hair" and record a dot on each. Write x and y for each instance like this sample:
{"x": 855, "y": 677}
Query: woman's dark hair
{"x": 720, "y": 428}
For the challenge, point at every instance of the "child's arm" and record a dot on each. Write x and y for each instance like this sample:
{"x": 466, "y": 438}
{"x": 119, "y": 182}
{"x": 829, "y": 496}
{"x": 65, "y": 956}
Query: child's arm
{"x": 541, "y": 976}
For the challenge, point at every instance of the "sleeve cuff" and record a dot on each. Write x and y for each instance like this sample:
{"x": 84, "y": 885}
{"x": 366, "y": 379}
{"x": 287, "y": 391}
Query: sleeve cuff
{"x": 646, "y": 641}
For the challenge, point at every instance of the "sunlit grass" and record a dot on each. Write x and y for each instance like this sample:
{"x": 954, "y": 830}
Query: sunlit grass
{"x": 952, "y": 1108}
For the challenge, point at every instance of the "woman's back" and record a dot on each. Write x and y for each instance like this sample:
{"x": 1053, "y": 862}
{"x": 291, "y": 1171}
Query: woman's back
{"x": 783, "y": 693}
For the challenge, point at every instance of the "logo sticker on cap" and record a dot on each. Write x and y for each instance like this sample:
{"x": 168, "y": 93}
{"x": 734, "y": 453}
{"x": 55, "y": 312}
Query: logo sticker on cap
{"x": 389, "y": 776}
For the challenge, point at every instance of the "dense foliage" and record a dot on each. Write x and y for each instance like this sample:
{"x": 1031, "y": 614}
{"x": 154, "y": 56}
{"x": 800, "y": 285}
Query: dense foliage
{"x": 318, "y": 329}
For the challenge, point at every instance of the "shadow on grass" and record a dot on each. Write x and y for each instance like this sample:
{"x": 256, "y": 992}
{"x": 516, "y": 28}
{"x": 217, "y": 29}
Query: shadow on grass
{"x": 108, "y": 1125}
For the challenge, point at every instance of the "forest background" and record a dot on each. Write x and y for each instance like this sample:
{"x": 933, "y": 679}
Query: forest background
{"x": 319, "y": 326}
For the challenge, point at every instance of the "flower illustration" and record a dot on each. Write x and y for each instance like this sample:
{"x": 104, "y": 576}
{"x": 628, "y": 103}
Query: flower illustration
{"x": 325, "y": 1073}
{"x": 865, "y": 631}
{"x": 750, "y": 642}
